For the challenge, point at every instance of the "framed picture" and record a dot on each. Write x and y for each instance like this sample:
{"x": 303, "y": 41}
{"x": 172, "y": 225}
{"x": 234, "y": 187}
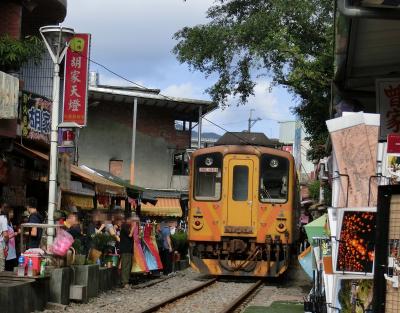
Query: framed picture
{"x": 355, "y": 241}
{"x": 351, "y": 294}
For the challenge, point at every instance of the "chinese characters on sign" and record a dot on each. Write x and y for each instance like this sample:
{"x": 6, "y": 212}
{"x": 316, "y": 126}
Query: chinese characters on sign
{"x": 388, "y": 105}
{"x": 76, "y": 78}
{"x": 36, "y": 117}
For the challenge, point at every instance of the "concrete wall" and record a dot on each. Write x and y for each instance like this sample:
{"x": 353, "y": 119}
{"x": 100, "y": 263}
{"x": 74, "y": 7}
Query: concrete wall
{"x": 108, "y": 136}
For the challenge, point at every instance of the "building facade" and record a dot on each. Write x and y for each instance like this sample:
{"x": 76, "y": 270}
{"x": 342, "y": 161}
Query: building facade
{"x": 143, "y": 148}
{"x": 288, "y": 131}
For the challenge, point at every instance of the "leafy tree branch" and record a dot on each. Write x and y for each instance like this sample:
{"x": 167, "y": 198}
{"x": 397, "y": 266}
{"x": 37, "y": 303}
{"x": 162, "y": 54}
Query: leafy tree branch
{"x": 288, "y": 40}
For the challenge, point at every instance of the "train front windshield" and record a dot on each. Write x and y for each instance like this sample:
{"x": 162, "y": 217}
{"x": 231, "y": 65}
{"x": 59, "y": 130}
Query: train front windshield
{"x": 208, "y": 177}
{"x": 274, "y": 176}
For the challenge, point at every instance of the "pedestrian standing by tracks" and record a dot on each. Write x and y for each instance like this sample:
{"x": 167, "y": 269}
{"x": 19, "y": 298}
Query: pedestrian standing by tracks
{"x": 35, "y": 233}
{"x": 166, "y": 251}
{"x": 11, "y": 260}
{"x": 73, "y": 226}
{"x": 126, "y": 251}
{"x": 3, "y": 237}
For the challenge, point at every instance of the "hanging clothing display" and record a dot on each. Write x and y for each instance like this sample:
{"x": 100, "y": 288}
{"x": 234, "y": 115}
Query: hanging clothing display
{"x": 150, "y": 248}
{"x": 139, "y": 264}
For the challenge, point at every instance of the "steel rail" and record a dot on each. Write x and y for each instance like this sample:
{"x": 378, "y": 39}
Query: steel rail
{"x": 235, "y": 304}
{"x": 186, "y": 293}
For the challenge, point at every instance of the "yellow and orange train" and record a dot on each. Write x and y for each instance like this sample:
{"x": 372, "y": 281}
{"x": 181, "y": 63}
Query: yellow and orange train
{"x": 241, "y": 210}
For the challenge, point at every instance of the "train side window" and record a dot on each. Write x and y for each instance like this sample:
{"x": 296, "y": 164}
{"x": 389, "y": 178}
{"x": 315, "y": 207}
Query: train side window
{"x": 274, "y": 176}
{"x": 208, "y": 177}
{"x": 240, "y": 183}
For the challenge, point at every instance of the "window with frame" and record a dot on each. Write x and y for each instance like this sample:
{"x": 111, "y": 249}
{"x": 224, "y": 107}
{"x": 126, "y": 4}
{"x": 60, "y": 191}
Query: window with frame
{"x": 240, "y": 184}
{"x": 181, "y": 166}
{"x": 274, "y": 179}
{"x": 208, "y": 177}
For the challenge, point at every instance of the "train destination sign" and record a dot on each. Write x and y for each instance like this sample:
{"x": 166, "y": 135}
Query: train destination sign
{"x": 208, "y": 169}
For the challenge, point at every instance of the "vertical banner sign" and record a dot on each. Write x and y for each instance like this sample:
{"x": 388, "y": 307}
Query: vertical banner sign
{"x": 388, "y": 105}
{"x": 76, "y": 79}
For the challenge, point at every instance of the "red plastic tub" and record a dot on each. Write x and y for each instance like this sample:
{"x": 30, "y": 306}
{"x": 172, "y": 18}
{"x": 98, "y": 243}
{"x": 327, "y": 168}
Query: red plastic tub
{"x": 36, "y": 259}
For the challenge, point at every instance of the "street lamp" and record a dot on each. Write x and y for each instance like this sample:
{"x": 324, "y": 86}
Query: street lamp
{"x": 56, "y": 39}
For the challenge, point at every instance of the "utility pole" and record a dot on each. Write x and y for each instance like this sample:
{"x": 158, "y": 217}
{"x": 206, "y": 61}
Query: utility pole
{"x": 252, "y": 121}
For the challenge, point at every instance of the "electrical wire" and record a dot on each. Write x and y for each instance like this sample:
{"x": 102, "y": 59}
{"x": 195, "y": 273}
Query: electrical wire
{"x": 146, "y": 88}
{"x": 114, "y": 73}
{"x": 204, "y": 118}
{"x": 166, "y": 97}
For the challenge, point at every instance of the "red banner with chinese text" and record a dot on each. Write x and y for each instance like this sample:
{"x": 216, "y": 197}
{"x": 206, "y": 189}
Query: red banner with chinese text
{"x": 388, "y": 105}
{"x": 76, "y": 79}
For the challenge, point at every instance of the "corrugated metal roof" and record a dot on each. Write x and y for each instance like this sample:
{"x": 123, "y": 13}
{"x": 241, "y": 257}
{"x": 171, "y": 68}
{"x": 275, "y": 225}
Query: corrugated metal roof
{"x": 185, "y": 109}
{"x": 102, "y": 185}
{"x": 244, "y": 138}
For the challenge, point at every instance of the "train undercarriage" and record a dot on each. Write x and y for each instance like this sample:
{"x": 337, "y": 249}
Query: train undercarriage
{"x": 240, "y": 257}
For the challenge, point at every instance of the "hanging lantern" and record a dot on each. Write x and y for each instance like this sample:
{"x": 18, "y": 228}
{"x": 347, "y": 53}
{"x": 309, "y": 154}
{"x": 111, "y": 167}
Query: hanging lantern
{"x": 68, "y": 138}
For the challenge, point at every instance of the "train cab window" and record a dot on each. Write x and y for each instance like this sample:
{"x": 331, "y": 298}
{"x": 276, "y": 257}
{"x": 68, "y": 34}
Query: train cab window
{"x": 274, "y": 177}
{"x": 208, "y": 177}
{"x": 240, "y": 183}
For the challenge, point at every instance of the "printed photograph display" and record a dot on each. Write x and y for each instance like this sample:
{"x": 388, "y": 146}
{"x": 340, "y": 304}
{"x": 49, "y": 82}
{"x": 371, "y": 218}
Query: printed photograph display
{"x": 355, "y": 295}
{"x": 356, "y": 241}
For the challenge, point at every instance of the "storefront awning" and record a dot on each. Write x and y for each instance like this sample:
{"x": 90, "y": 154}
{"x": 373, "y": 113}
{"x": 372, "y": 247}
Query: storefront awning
{"x": 132, "y": 191}
{"x": 102, "y": 186}
{"x": 164, "y": 207}
{"x": 81, "y": 201}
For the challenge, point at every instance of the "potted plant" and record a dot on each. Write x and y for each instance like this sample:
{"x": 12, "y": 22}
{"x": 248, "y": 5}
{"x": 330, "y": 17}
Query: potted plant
{"x": 180, "y": 243}
{"x": 15, "y": 52}
{"x": 101, "y": 242}
{"x": 80, "y": 256}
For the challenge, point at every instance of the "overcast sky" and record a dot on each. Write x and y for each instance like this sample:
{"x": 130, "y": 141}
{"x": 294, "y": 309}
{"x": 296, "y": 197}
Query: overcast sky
{"x": 134, "y": 39}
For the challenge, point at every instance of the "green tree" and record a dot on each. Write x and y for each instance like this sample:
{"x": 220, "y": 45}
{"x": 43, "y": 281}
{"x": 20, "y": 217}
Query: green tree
{"x": 288, "y": 40}
{"x": 15, "y": 52}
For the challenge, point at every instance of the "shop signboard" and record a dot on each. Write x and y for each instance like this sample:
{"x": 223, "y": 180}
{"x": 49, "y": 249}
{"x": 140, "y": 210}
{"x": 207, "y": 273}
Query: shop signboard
{"x": 388, "y": 105}
{"x": 393, "y": 156}
{"x": 76, "y": 79}
{"x": 9, "y": 87}
{"x": 36, "y": 117}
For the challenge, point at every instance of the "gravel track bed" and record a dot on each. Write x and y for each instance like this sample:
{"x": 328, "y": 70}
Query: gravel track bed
{"x": 209, "y": 300}
{"x": 136, "y": 300}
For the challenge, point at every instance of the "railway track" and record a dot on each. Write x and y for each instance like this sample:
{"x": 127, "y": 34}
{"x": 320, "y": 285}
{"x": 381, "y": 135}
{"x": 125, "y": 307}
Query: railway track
{"x": 236, "y": 303}
{"x": 172, "y": 303}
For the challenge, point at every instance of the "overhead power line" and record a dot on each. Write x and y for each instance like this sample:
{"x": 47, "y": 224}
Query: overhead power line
{"x": 166, "y": 97}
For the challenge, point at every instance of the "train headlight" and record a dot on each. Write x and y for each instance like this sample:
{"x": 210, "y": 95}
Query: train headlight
{"x": 208, "y": 161}
{"x": 197, "y": 223}
{"x": 274, "y": 163}
{"x": 281, "y": 227}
